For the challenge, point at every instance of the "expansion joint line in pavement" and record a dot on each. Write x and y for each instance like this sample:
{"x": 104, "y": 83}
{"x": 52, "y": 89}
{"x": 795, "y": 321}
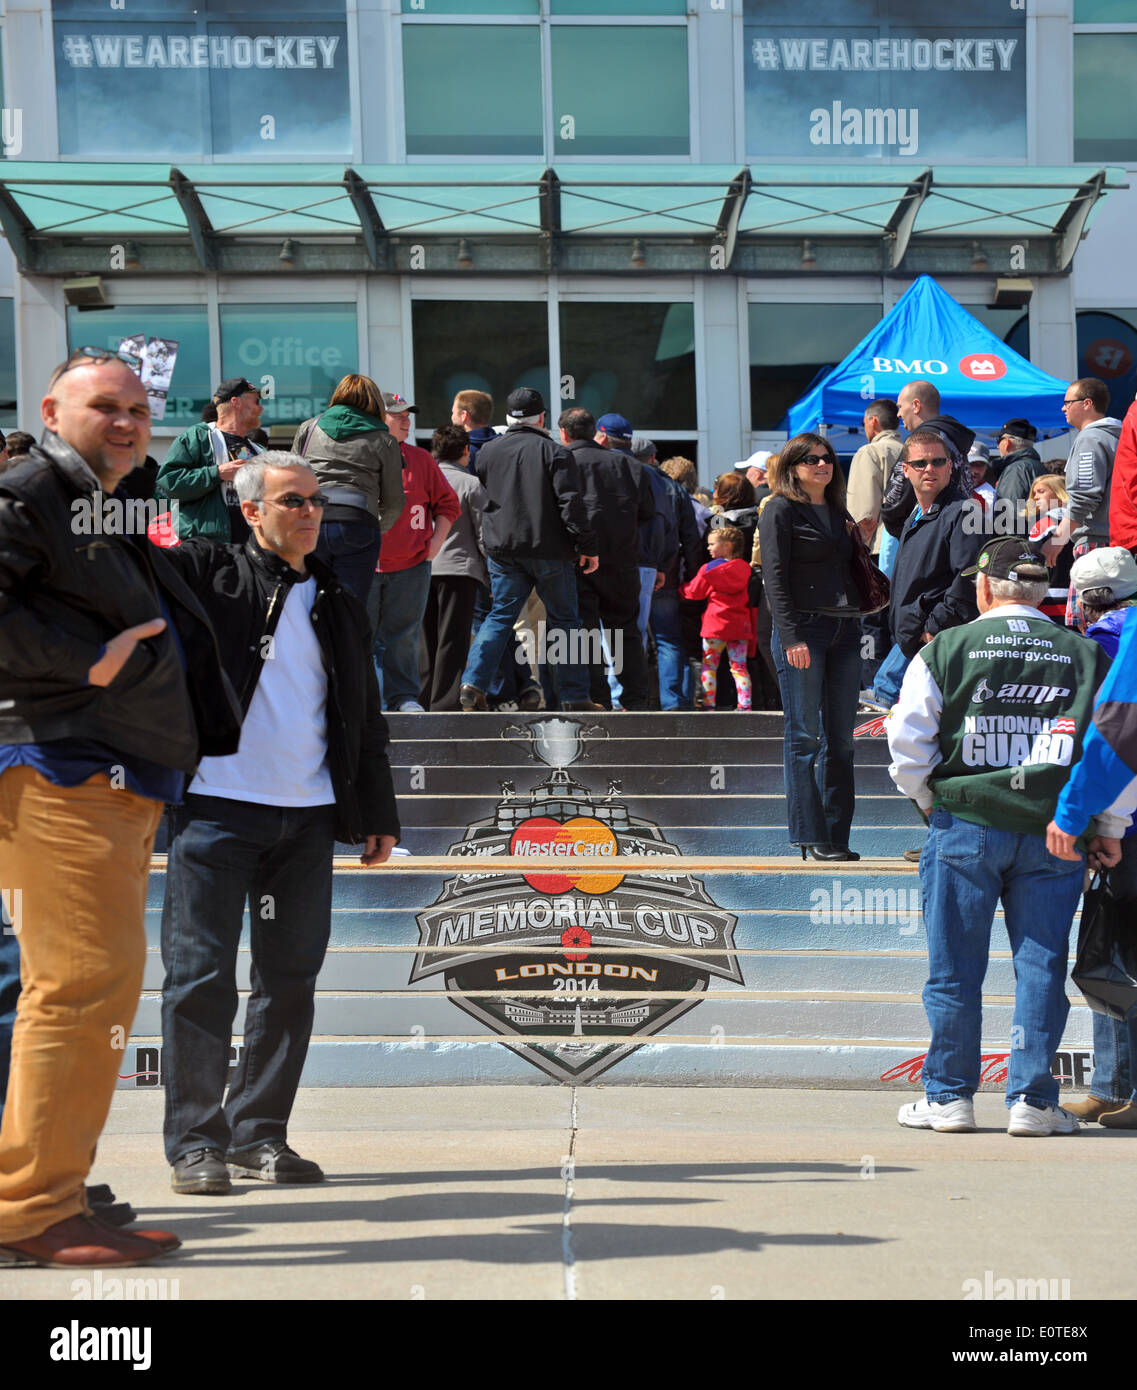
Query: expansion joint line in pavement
{"x": 568, "y": 1172}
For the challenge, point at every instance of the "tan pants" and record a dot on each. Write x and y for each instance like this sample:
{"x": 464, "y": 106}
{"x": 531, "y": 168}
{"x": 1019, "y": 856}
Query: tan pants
{"x": 74, "y": 863}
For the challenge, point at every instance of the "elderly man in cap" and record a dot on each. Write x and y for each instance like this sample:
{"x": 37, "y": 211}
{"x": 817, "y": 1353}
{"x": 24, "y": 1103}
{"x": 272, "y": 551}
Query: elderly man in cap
{"x": 202, "y": 463}
{"x": 984, "y": 748}
{"x": 1016, "y": 474}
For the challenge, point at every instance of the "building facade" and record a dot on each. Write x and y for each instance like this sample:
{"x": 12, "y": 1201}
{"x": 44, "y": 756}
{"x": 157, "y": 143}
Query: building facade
{"x": 679, "y": 209}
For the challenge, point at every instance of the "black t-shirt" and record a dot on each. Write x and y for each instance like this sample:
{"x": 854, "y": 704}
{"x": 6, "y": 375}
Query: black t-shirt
{"x": 239, "y": 448}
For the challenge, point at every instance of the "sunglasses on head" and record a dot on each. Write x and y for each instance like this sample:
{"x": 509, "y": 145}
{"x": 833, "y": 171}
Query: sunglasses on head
{"x": 81, "y": 356}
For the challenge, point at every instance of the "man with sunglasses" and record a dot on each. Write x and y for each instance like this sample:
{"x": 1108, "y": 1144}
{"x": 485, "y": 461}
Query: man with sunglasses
{"x": 111, "y": 688}
{"x": 260, "y": 826}
{"x": 202, "y": 463}
{"x": 940, "y": 538}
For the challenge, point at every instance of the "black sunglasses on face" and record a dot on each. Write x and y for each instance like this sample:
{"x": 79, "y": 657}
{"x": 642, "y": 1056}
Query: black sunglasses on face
{"x": 929, "y": 463}
{"x": 816, "y": 460}
{"x": 294, "y": 502}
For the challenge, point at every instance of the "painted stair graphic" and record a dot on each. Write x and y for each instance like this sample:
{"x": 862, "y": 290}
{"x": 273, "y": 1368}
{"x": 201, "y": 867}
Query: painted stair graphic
{"x": 614, "y": 898}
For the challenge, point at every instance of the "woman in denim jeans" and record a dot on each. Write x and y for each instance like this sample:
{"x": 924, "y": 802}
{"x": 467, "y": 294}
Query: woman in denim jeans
{"x": 806, "y": 554}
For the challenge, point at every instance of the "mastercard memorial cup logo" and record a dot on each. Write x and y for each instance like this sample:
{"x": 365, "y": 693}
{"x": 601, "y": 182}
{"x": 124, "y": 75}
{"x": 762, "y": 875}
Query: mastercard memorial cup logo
{"x": 569, "y": 958}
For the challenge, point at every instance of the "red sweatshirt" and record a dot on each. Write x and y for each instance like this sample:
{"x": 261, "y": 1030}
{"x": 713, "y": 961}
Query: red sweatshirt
{"x": 728, "y": 616}
{"x": 429, "y": 496}
{"x": 1123, "y": 489}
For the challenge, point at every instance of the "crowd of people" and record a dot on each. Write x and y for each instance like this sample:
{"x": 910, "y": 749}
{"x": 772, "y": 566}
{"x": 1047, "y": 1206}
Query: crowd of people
{"x": 233, "y": 672}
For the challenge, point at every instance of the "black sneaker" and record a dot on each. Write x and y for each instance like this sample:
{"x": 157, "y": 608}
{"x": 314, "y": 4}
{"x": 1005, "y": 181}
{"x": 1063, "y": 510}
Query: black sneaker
{"x": 273, "y": 1161}
{"x": 201, "y": 1171}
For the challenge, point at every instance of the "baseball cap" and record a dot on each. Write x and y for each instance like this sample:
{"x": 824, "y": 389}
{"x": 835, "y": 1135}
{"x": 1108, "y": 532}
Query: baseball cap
{"x": 642, "y": 446}
{"x": 1012, "y": 558}
{"x": 394, "y": 404}
{"x": 1112, "y": 568}
{"x": 759, "y": 459}
{"x": 615, "y": 425}
{"x": 524, "y": 403}
{"x": 1019, "y": 428}
{"x": 232, "y": 388}
{"x": 979, "y": 453}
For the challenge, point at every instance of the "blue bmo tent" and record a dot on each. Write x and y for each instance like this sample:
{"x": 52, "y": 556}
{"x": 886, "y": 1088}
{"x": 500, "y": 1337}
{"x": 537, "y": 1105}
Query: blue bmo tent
{"x": 928, "y": 336}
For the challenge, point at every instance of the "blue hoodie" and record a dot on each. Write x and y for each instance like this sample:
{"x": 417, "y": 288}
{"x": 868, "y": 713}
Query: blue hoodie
{"x": 1109, "y": 753}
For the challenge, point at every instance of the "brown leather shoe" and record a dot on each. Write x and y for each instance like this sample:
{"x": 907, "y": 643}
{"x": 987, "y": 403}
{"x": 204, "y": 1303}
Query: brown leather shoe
{"x": 1092, "y": 1108}
{"x": 166, "y": 1241}
{"x": 585, "y": 706}
{"x": 82, "y": 1242}
{"x": 1124, "y": 1118}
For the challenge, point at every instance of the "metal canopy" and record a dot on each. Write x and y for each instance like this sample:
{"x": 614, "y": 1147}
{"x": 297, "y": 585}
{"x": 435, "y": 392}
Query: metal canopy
{"x": 62, "y": 218}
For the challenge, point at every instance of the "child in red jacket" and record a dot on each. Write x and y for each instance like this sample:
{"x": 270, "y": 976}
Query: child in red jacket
{"x": 728, "y": 621}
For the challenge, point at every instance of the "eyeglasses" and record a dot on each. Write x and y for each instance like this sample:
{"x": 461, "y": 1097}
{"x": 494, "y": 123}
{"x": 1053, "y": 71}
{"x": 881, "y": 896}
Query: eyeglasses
{"x": 817, "y": 460}
{"x": 294, "y": 502}
{"x": 937, "y": 462}
{"x": 1074, "y": 401}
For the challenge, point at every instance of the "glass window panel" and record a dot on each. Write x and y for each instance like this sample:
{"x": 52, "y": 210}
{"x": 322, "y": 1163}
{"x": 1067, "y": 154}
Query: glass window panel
{"x": 110, "y": 107}
{"x": 618, "y": 7}
{"x": 8, "y": 367}
{"x": 638, "y": 359}
{"x": 448, "y": 114}
{"x": 477, "y": 345}
{"x": 792, "y": 344}
{"x": 295, "y": 92}
{"x": 1105, "y": 97}
{"x": 305, "y": 348}
{"x": 1105, "y": 11}
{"x": 188, "y": 324}
{"x": 1012, "y": 325}
{"x": 1107, "y": 349}
{"x": 471, "y": 7}
{"x": 614, "y": 114}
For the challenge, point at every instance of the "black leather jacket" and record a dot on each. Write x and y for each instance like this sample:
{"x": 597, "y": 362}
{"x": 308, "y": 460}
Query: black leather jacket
{"x": 805, "y": 568}
{"x": 243, "y": 588}
{"x": 67, "y": 586}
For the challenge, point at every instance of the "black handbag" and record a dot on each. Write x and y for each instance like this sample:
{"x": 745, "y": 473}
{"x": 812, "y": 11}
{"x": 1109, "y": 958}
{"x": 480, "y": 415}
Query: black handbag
{"x": 873, "y": 587}
{"x": 1106, "y": 967}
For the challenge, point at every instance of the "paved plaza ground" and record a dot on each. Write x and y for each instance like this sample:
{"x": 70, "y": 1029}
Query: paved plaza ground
{"x": 595, "y": 1193}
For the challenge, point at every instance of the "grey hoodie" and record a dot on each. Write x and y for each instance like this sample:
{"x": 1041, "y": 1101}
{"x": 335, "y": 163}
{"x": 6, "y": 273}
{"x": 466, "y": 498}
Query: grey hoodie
{"x": 1088, "y": 472}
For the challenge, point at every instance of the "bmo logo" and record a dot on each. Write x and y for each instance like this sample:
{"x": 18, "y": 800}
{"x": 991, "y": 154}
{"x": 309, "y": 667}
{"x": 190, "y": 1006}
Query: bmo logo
{"x": 983, "y": 366}
{"x": 918, "y": 367}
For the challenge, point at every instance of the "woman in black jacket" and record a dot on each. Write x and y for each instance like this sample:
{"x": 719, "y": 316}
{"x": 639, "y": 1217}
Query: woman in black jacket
{"x": 806, "y": 554}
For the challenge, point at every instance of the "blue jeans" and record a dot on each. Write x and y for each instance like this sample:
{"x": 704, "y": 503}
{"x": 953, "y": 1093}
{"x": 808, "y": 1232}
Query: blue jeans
{"x": 396, "y": 605}
{"x": 675, "y": 681}
{"x": 965, "y": 870}
{"x": 647, "y": 588}
{"x": 820, "y": 706}
{"x": 512, "y": 581}
{"x": 1115, "y": 1043}
{"x": 279, "y": 859}
{"x": 350, "y": 549}
{"x": 890, "y": 676}
{"x": 9, "y": 997}
{"x": 513, "y": 674}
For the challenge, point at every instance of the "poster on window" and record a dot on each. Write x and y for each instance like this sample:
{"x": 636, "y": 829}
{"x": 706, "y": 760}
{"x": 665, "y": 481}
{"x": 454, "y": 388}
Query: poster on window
{"x": 155, "y": 358}
{"x": 886, "y": 80}
{"x": 153, "y": 80}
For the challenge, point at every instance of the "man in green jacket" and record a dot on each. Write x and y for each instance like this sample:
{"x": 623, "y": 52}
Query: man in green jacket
{"x": 203, "y": 461}
{"x": 991, "y": 718}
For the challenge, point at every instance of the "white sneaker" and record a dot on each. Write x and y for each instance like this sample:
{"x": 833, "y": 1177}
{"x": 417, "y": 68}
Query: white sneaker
{"x": 1028, "y": 1122}
{"x": 410, "y": 707}
{"x": 953, "y": 1117}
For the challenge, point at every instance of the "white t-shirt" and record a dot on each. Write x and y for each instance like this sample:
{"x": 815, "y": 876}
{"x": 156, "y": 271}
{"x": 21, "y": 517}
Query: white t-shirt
{"x": 282, "y": 759}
